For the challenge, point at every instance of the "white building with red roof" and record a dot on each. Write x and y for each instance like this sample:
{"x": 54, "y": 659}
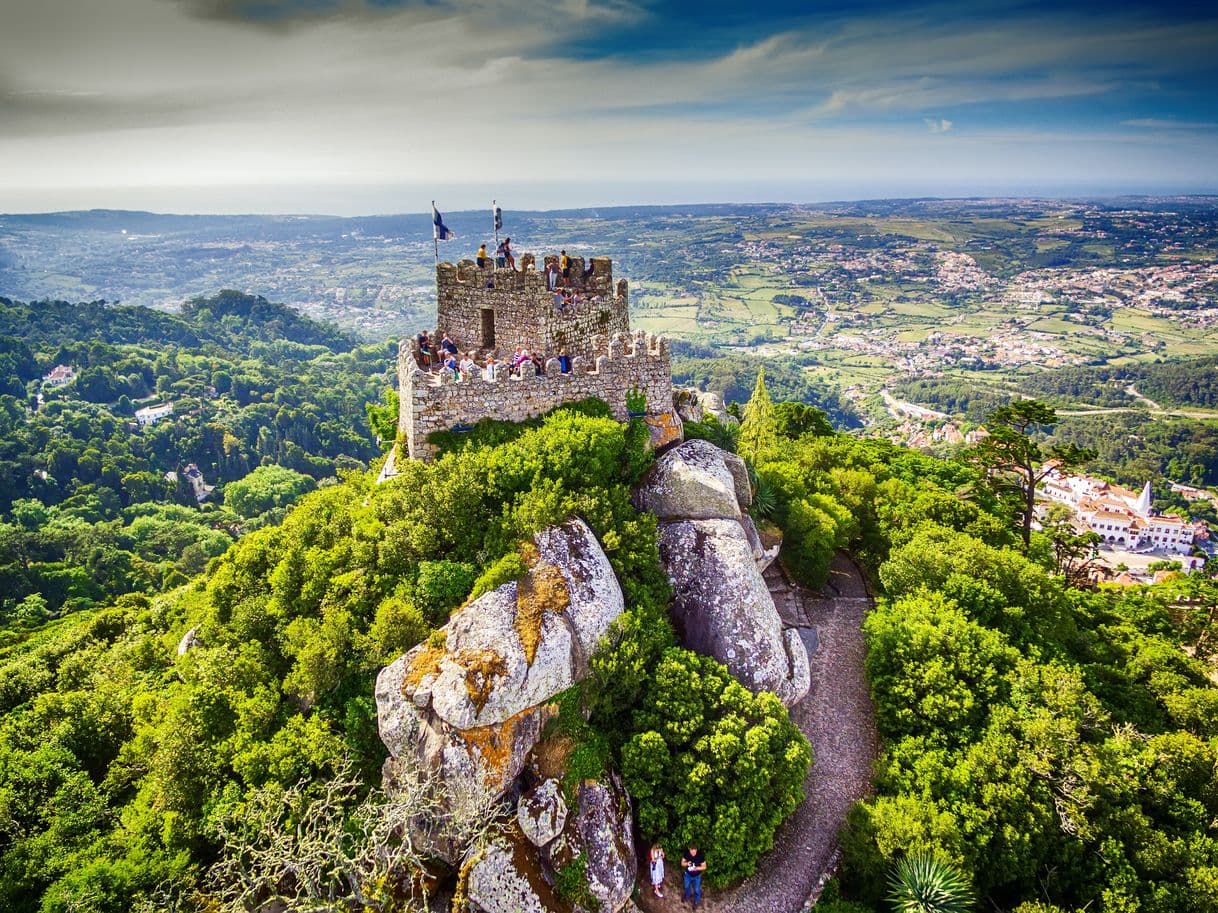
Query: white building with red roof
{"x": 1121, "y": 517}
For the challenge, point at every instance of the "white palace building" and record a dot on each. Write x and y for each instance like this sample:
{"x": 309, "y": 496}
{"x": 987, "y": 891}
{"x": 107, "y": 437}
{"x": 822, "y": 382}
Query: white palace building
{"x": 1123, "y": 519}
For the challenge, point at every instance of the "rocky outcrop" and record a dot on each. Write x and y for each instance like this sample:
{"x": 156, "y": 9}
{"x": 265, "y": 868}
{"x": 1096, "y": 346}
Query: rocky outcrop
{"x": 513, "y": 876}
{"x": 664, "y": 429}
{"x": 472, "y": 700}
{"x": 600, "y": 832}
{"x": 714, "y": 556}
{"x": 541, "y": 813}
{"x": 505, "y": 879}
{"x": 693, "y": 482}
{"x": 694, "y": 405}
{"x": 763, "y": 555}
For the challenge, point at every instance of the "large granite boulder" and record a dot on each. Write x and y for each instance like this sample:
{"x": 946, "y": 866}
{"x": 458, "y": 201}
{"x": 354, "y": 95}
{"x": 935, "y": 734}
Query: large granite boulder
{"x": 692, "y": 482}
{"x": 723, "y": 608}
{"x": 472, "y": 700}
{"x": 541, "y": 813}
{"x": 506, "y": 878}
{"x": 512, "y": 876}
{"x": 694, "y": 405}
{"x": 601, "y": 831}
{"x": 714, "y": 557}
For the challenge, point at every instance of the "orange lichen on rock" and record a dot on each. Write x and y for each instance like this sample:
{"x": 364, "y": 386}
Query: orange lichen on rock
{"x": 495, "y": 743}
{"x": 664, "y": 429}
{"x": 548, "y": 759}
{"x": 426, "y": 662}
{"x": 529, "y": 553}
{"x": 481, "y": 667}
{"x": 543, "y": 589}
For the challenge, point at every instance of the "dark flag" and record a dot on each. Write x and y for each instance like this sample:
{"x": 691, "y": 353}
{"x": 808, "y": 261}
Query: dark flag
{"x": 498, "y": 218}
{"x": 440, "y": 231}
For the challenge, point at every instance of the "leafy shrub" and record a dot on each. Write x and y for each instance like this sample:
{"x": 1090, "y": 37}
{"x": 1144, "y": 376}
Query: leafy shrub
{"x": 711, "y": 429}
{"x": 510, "y": 567}
{"x": 712, "y": 764}
{"x": 441, "y": 586}
{"x": 265, "y": 488}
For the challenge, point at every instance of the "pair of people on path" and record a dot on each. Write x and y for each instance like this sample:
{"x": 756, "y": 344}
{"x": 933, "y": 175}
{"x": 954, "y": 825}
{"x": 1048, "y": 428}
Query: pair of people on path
{"x": 693, "y": 865}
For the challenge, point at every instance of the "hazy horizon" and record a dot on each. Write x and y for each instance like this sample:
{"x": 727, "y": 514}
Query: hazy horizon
{"x": 465, "y": 201}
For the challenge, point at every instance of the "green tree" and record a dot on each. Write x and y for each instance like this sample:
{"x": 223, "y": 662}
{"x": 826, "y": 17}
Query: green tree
{"x": 1075, "y": 554}
{"x": 794, "y": 420}
{"x": 711, "y": 763}
{"x": 1018, "y": 462}
{"x": 265, "y": 488}
{"x": 758, "y": 430}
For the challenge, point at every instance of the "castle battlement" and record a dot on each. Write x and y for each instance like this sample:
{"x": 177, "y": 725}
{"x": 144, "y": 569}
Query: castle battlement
{"x": 436, "y": 401}
{"x": 491, "y": 311}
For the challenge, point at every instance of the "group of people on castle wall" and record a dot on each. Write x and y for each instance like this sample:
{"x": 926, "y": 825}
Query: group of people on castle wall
{"x": 445, "y": 356}
{"x": 558, "y": 272}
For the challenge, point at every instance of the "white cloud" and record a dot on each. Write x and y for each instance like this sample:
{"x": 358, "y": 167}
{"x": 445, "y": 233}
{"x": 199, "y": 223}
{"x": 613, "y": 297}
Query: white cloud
{"x": 1164, "y": 123}
{"x": 155, "y": 96}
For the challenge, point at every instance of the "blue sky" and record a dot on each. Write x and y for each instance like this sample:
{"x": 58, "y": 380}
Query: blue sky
{"x": 353, "y": 106}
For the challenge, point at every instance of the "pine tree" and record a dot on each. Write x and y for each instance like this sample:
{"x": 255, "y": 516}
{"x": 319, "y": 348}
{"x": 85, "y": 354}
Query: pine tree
{"x": 759, "y": 430}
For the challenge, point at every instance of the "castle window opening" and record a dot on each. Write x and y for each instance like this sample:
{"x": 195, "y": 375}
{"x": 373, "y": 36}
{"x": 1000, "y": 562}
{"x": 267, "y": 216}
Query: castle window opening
{"x": 488, "y": 328}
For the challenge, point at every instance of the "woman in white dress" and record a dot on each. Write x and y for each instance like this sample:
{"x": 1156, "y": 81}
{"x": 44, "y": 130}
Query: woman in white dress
{"x": 656, "y": 859}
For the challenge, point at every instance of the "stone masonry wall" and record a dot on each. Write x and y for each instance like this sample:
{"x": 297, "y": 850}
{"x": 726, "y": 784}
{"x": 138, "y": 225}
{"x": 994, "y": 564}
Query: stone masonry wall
{"x": 435, "y": 402}
{"x": 523, "y": 308}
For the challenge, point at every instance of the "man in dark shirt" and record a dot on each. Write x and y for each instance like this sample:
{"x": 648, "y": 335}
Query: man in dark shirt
{"x": 693, "y": 864}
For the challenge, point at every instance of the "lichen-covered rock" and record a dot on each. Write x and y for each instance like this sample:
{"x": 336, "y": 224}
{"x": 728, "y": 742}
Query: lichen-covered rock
{"x": 542, "y": 813}
{"x": 740, "y": 477}
{"x": 505, "y": 880}
{"x": 603, "y": 832}
{"x": 475, "y": 703}
{"x": 762, "y": 555}
{"x": 723, "y": 608}
{"x": 664, "y": 429}
{"x": 691, "y": 482}
{"x": 600, "y": 831}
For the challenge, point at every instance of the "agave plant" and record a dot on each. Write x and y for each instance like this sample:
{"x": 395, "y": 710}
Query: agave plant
{"x": 924, "y": 884}
{"x": 765, "y": 500}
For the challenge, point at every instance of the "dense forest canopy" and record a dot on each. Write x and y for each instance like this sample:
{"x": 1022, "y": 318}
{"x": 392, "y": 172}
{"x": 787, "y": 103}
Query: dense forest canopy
{"x": 1052, "y": 747}
{"x": 93, "y": 505}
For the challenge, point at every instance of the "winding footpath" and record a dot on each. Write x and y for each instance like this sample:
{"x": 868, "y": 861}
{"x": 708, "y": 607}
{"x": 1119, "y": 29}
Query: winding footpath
{"x": 839, "y": 721}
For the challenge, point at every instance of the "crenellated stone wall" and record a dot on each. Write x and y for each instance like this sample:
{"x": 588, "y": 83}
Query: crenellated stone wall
{"x": 520, "y": 309}
{"x": 435, "y": 401}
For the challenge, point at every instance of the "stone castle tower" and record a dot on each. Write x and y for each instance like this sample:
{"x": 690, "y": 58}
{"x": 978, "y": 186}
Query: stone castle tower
{"x": 492, "y": 310}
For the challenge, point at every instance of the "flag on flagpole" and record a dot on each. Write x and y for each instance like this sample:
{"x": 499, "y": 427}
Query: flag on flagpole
{"x": 439, "y": 231}
{"x": 498, "y": 217}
